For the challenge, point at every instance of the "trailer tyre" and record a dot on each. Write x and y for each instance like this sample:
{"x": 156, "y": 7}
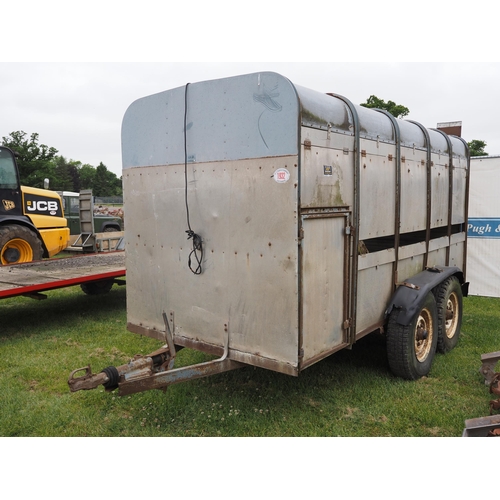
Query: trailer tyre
{"x": 411, "y": 348}
{"x": 97, "y": 287}
{"x": 449, "y": 309}
{"x": 19, "y": 244}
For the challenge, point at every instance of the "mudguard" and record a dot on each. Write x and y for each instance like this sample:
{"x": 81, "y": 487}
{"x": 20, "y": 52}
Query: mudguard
{"x": 410, "y": 295}
{"x": 24, "y": 221}
{"x": 18, "y": 219}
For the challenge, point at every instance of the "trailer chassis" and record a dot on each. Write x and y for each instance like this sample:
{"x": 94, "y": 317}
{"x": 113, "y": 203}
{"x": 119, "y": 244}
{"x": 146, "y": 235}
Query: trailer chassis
{"x": 152, "y": 371}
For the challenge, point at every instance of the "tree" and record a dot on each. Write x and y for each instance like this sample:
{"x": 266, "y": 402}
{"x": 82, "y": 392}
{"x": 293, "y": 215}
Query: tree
{"x": 476, "y": 148}
{"x": 63, "y": 177}
{"x": 396, "y": 110}
{"x": 35, "y": 161}
{"x": 106, "y": 183}
{"x": 86, "y": 174}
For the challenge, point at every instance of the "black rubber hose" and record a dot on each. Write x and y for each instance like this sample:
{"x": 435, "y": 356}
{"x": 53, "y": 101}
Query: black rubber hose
{"x": 113, "y": 376}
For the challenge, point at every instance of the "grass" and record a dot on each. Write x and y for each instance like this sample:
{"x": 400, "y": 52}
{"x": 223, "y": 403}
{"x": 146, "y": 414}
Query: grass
{"x": 352, "y": 393}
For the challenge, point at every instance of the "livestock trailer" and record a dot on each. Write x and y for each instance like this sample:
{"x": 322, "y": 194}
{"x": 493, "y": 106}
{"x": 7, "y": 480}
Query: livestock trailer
{"x": 274, "y": 225}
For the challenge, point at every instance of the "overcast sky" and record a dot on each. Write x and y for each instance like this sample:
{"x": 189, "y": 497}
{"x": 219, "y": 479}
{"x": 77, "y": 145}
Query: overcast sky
{"x": 78, "y": 107}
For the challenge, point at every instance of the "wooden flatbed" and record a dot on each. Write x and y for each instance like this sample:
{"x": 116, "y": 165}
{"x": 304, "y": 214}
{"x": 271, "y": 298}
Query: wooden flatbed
{"x": 32, "y": 278}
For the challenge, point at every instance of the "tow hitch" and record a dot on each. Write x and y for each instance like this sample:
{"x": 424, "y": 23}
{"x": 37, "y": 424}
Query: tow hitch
{"x": 153, "y": 371}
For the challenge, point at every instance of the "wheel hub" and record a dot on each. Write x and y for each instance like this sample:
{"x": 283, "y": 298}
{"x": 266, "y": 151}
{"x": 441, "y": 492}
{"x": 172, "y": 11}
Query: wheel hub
{"x": 16, "y": 250}
{"x": 423, "y": 336}
{"x": 451, "y": 316}
{"x": 11, "y": 255}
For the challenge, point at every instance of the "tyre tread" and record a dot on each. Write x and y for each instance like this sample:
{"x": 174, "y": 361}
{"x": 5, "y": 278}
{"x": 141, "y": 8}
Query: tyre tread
{"x": 400, "y": 345}
{"x": 441, "y": 292}
{"x": 11, "y": 232}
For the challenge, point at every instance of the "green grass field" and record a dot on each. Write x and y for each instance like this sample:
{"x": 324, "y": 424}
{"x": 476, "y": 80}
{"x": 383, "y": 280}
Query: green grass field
{"x": 352, "y": 393}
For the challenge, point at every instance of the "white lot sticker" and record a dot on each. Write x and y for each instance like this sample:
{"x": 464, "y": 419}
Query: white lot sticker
{"x": 281, "y": 175}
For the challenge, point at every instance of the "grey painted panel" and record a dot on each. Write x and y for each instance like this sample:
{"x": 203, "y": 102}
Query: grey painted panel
{"x": 249, "y": 116}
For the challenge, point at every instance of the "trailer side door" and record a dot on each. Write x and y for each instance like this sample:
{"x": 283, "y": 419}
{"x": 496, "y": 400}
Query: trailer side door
{"x": 324, "y": 285}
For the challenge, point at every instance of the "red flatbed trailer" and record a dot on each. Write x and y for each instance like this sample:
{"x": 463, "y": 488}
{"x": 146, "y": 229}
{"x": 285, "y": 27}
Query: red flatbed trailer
{"x": 32, "y": 278}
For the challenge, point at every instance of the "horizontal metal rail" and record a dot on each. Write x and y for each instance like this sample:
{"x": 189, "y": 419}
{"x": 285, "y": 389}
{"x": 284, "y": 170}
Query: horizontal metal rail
{"x": 162, "y": 380}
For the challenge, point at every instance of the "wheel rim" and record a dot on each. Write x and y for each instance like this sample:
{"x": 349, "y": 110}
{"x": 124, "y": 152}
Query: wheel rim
{"x": 451, "y": 320}
{"x": 16, "y": 250}
{"x": 423, "y": 335}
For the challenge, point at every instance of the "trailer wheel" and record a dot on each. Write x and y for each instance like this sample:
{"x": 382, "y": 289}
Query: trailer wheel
{"x": 449, "y": 309}
{"x": 411, "y": 348}
{"x": 97, "y": 287}
{"x": 19, "y": 244}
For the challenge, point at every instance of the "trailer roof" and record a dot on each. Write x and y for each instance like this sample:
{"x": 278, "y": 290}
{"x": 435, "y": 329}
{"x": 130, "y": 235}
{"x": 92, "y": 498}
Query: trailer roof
{"x": 251, "y": 116}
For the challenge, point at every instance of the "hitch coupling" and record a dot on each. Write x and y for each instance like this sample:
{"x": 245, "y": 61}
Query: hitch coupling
{"x": 111, "y": 377}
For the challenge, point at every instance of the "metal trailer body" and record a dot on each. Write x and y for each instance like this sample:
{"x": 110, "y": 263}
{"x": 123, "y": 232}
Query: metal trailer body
{"x": 311, "y": 211}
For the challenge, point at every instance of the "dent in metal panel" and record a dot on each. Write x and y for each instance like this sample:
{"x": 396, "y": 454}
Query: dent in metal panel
{"x": 249, "y": 116}
{"x": 248, "y": 223}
